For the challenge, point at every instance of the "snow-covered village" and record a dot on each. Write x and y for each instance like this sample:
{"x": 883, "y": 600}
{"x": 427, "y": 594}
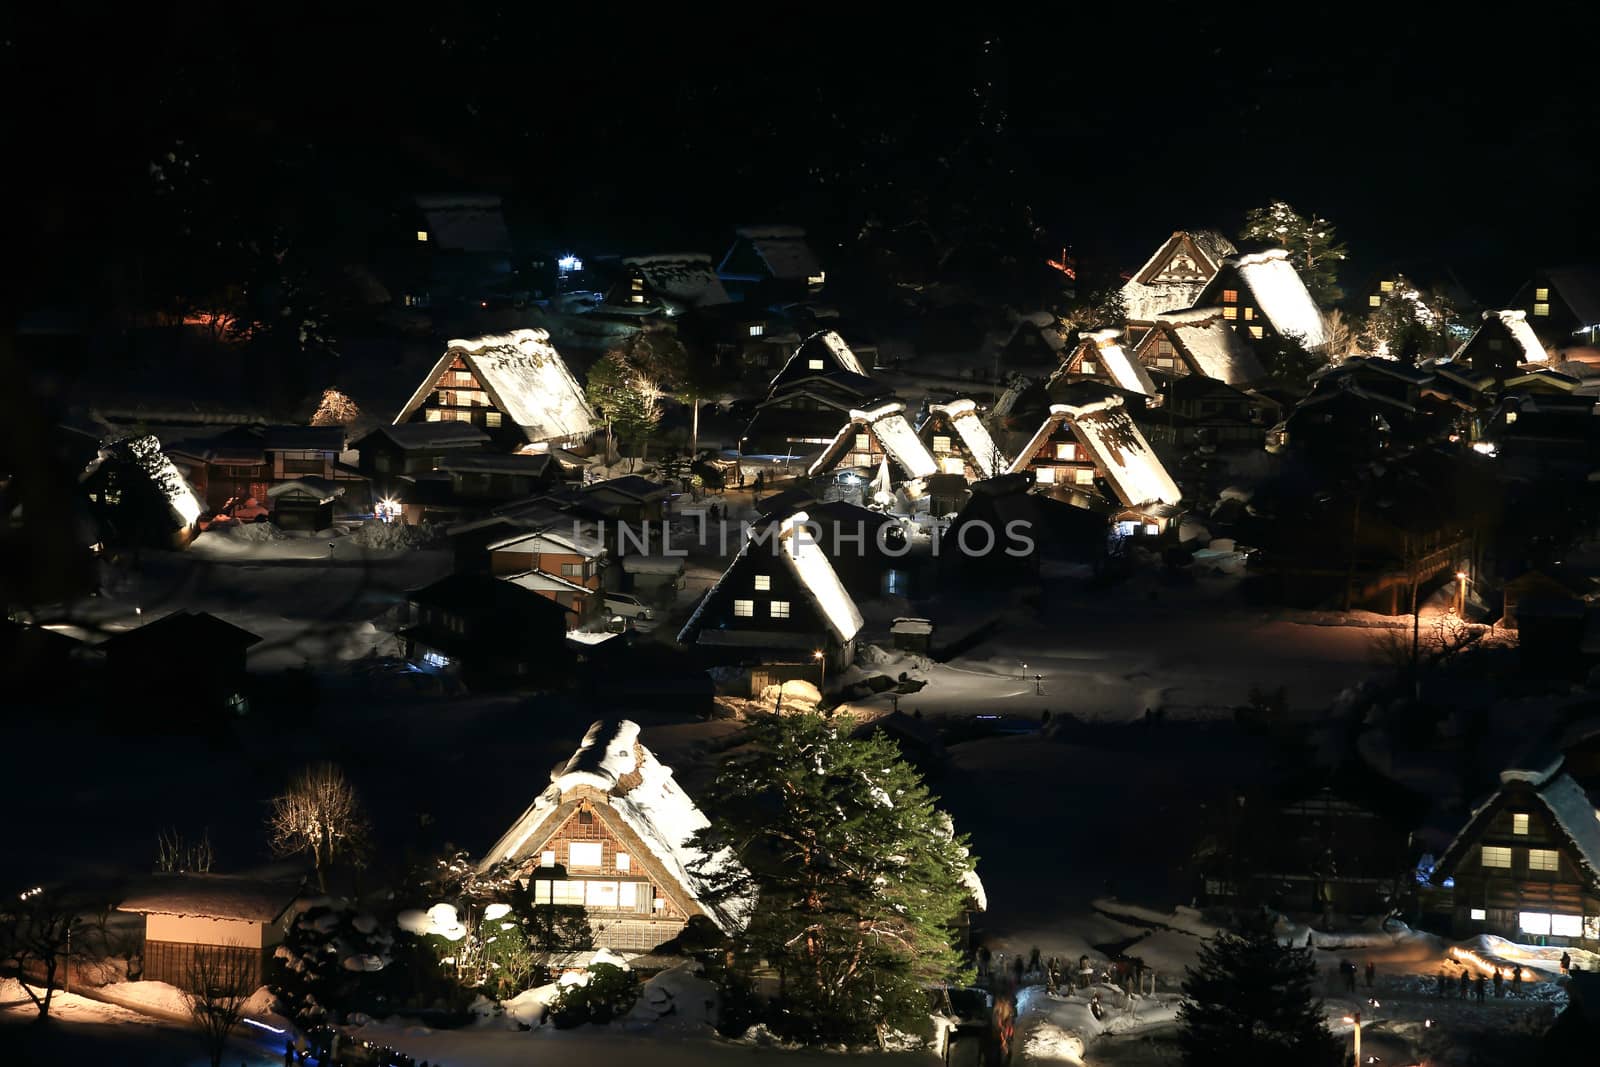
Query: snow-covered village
{"x": 535, "y": 537}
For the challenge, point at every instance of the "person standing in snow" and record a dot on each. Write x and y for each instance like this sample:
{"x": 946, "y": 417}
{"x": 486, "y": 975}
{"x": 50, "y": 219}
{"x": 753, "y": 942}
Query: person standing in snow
{"x": 1499, "y": 984}
{"x": 1566, "y": 962}
{"x": 1516, "y": 982}
{"x": 1466, "y": 981}
{"x": 1480, "y": 987}
{"x": 1016, "y": 969}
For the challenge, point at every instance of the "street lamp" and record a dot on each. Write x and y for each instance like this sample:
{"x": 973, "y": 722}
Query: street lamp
{"x": 820, "y": 658}
{"x": 1356, "y": 1018}
{"x": 1461, "y": 594}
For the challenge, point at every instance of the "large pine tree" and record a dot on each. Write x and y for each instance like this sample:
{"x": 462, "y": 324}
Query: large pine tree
{"x": 1312, "y": 243}
{"x": 859, "y": 879}
{"x": 1248, "y": 1000}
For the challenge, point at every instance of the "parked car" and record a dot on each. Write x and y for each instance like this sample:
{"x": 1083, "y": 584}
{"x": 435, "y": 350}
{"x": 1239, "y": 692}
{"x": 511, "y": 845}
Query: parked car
{"x": 236, "y": 510}
{"x": 629, "y": 607}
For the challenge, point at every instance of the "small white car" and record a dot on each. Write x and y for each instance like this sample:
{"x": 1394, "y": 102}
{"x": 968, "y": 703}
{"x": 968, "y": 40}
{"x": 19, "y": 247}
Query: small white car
{"x": 629, "y": 607}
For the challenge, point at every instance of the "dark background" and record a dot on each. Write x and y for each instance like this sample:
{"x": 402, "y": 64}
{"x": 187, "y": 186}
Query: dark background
{"x": 1423, "y": 132}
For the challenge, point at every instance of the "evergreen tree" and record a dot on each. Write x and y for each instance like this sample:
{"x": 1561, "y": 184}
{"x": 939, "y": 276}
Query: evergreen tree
{"x": 627, "y": 397}
{"x": 1312, "y": 243}
{"x": 858, "y": 877}
{"x": 1410, "y": 324}
{"x": 1249, "y": 1001}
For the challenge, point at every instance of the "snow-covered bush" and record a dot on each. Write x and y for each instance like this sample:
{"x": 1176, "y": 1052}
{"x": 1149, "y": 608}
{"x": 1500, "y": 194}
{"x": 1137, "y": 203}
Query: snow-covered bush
{"x": 602, "y": 993}
{"x": 395, "y": 536}
{"x": 334, "y": 959}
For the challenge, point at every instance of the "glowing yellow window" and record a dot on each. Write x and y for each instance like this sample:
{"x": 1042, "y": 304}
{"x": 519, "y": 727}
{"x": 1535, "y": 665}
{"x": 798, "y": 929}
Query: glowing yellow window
{"x": 1374, "y": 301}
{"x": 1541, "y": 310}
{"x": 941, "y": 443}
{"x": 1087, "y": 367}
{"x": 1255, "y": 331}
{"x": 763, "y": 582}
{"x": 1386, "y": 287}
{"x": 422, "y": 235}
{"x": 1249, "y": 313}
{"x": 1519, "y": 822}
{"x": 1230, "y": 313}
{"x": 1541, "y": 294}
{"x": 1084, "y": 475}
{"x": 1067, "y": 451}
{"x": 491, "y": 418}
{"x": 1045, "y": 475}
{"x": 1543, "y": 859}
{"x": 1230, "y": 296}
{"x": 863, "y": 443}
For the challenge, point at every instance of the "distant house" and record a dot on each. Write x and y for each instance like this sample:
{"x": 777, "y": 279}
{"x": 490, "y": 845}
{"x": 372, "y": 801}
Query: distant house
{"x": 304, "y": 503}
{"x": 1198, "y": 341}
{"x": 413, "y": 448}
{"x": 1263, "y": 298}
{"x": 1099, "y": 357}
{"x": 1079, "y": 445}
{"x": 821, "y": 382}
{"x": 467, "y": 246}
{"x": 867, "y": 549}
{"x": 1563, "y": 305}
{"x": 1174, "y": 277}
{"x": 670, "y": 283}
{"x": 1204, "y": 411}
{"x": 613, "y": 833}
{"x": 771, "y": 263}
{"x": 993, "y": 542}
{"x": 780, "y": 601}
{"x": 492, "y": 633}
{"x": 1543, "y": 585}
{"x": 138, "y": 497}
{"x": 1526, "y": 864}
{"x": 960, "y": 442}
{"x": 566, "y": 562}
{"x": 628, "y": 499}
{"x": 1036, "y": 342}
{"x": 246, "y": 462}
{"x": 188, "y": 917}
{"x": 1503, "y": 342}
{"x": 493, "y": 477}
{"x": 869, "y": 437}
{"x": 193, "y": 659}
{"x": 515, "y": 387}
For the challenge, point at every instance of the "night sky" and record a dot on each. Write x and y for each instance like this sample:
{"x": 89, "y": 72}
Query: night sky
{"x": 1428, "y": 137}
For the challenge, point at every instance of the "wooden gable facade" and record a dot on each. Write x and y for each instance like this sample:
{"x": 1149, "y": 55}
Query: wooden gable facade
{"x": 1524, "y": 866}
{"x": 1099, "y": 357}
{"x": 458, "y": 396}
{"x": 569, "y": 571}
{"x": 1057, "y": 457}
{"x": 1172, "y": 278}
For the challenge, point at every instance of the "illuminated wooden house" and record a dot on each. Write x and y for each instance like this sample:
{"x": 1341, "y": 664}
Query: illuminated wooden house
{"x": 668, "y": 284}
{"x": 1263, "y": 298}
{"x": 1081, "y": 447}
{"x": 190, "y": 916}
{"x": 1526, "y": 866}
{"x": 613, "y": 834}
{"x": 960, "y": 442}
{"x": 1563, "y": 305}
{"x": 413, "y": 448}
{"x": 515, "y": 387}
{"x": 1100, "y": 357}
{"x": 1198, "y": 341}
{"x": 767, "y": 264}
{"x": 870, "y": 436}
{"x": 1174, "y": 277}
{"x": 821, "y": 383}
{"x": 1502, "y": 343}
{"x": 138, "y": 496}
{"x": 780, "y": 601}
{"x": 566, "y": 561}
{"x": 248, "y": 461}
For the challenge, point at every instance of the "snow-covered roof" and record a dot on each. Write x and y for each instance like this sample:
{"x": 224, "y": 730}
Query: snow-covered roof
{"x": 981, "y": 449}
{"x": 146, "y": 453}
{"x": 1579, "y": 287}
{"x": 320, "y": 489}
{"x": 649, "y": 801}
{"x": 1125, "y": 372}
{"x": 1103, "y": 427}
{"x": 1562, "y": 798}
{"x": 810, "y": 567}
{"x": 1515, "y": 322}
{"x": 469, "y": 223}
{"x": 1216, "y": 350}
{"x": 524, "y": 376}
{"x": 889, "y": 424}
{"x": 1148, "y": 293}
{"x": 1282, "y": 296}
{"x": 211, "y": 896}
{"x": 1052, "y": 331}
{"x": 686, "y": 278}
{"x": 418, "y": 435}
{"x": 826, "y": 345}
{"x": 784, "y": 250}
{"x": 564, "y": 533}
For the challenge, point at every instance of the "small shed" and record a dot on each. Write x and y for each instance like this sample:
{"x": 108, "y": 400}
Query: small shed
{"x": 304, "y": 503}
{"x": 189, "y": 915}
{"x": 651, "y": 576}
{"x": 912, "y": 635}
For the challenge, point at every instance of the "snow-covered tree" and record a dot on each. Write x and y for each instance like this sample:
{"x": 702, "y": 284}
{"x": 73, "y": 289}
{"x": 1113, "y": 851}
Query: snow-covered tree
{"x": 334, "y": 959}
{"x": 319, "y": 814}
{"x": 1249, "y": 1000}
{"x": 1311, "y": 241}
{"x": 627, "y": 397}
{"x": 336, "y": 409}
{"x": 858, "y": 875}
{"x": 1410, "y": 324}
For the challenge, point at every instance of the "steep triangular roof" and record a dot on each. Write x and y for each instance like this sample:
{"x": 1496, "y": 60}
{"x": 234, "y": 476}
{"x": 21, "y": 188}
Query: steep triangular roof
{"x": 683, "y": 279}
{"x": 783, "y": 249}
{"x": 1104, "y": 346}
{"x": 1281, "y": 294}
{"x": 1174, "y": 276}
{"x": 1514, "y": 324}
{"x": 648, "y": 804}
{"x": 811, "y": 569}
{"x": 980, "y": 448}
{"x": 526, "y": 379}
{"x": 889, "y": 424}
{"x": 826, "y": 346}
{"x": 1560, "y": 797}
{"x": 1206, "y": 342}
{"x": 1103, "y": 427}
{"x": 1579, "y": 288}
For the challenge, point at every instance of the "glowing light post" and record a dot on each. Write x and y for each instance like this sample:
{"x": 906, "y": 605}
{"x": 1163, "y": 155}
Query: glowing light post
{"x": 820, "y": 658}
{"x": 1461, "y": 594}
{"x": 1356, "y": 1018}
